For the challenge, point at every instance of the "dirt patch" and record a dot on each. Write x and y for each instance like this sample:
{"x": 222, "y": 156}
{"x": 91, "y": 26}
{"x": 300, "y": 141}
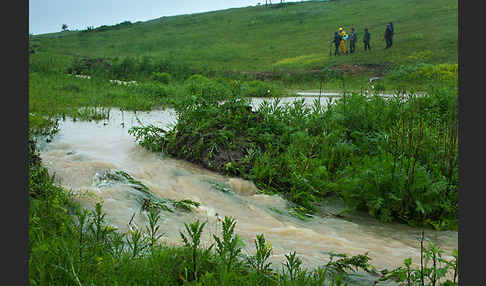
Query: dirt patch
{"x": 85, "y": 64}
{"x": 218, "y": 159}
{"x": 377, "y": 70}
{"x": 349, "y": 69}
{"x": 277, "y": 75}
{"x": 216, "y": 154}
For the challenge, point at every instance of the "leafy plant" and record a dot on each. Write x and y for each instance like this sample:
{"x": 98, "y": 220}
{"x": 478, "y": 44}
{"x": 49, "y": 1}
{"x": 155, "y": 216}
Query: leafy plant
{"x": 257, "y": 88}
{"x": 98, "y": 228}
{"x": 344, "y": 263}
{"x": 227, "y": 246}
{"x": 192, "y": 241}
{"x": 161, "y": 77}
{"x": 136, "y": 242}
{"x": 434, "y": 269}
{"x": 259, "y": 261}
{"x": 153, "y": 228}
{"x": 292, "y": 265}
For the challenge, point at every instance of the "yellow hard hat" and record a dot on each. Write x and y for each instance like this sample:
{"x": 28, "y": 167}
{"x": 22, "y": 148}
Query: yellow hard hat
{"x": 340, "y": 29}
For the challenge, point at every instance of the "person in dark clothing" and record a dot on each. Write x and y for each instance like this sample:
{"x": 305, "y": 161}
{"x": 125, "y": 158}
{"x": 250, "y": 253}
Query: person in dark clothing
{"x": 388, "y": 36}
{"x": 353, "y": 38}
{"x": 366, "y": 39}
{"x": 337, "y": 42}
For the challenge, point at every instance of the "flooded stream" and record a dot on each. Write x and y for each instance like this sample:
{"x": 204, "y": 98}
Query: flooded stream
{"x": 83, "y": 151}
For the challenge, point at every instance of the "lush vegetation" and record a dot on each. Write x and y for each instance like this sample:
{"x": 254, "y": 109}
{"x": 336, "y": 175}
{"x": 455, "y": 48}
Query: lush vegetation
{"x": 69, "y": 245}
{"x": 395, "y": 158}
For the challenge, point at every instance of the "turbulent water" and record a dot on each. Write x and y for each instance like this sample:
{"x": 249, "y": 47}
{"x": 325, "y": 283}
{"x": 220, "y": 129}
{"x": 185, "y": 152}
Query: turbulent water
{"x": 83, "y": 151}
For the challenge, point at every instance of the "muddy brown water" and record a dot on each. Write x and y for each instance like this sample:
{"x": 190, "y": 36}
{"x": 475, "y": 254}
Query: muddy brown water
{"x": 82, "y": 151}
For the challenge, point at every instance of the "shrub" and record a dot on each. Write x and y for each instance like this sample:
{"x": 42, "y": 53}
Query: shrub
{"x": 438, "y": 74}
{"x": 206, "y": 89}
{"x": 154, "y": 89}
{"x": 257, "y": 88}
{"x": 161, "y": 77}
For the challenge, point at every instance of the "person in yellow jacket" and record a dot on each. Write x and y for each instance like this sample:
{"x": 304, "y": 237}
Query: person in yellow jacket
{"x": 344, "y": 38}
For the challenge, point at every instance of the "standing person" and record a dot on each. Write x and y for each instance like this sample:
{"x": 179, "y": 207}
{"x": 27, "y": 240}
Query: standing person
{"x": 392, "y": 33}
{"x": 388, "y": 36}
{"x": 352, "y": 40}
{"x": 344, "y": 38}
{"x": 337, "y": 42}
{"x": 366, "y": 39}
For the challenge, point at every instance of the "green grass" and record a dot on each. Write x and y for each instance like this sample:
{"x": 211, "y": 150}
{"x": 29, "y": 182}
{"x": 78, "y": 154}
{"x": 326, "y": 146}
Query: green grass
{"x": 54, "y": 93}
{"x": 62, "y": 95}
{"x": 295, "y": 36}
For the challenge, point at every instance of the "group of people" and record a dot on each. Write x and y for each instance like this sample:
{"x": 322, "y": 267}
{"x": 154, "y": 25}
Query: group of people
{"x": 344, "y": 41}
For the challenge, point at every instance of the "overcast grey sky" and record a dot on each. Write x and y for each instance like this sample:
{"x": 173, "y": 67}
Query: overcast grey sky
{"x": 47, "y": 16}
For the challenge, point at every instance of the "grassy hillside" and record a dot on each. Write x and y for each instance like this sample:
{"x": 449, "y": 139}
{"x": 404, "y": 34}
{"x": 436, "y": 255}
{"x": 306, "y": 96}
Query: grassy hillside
{"x": 266, "y": 38}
